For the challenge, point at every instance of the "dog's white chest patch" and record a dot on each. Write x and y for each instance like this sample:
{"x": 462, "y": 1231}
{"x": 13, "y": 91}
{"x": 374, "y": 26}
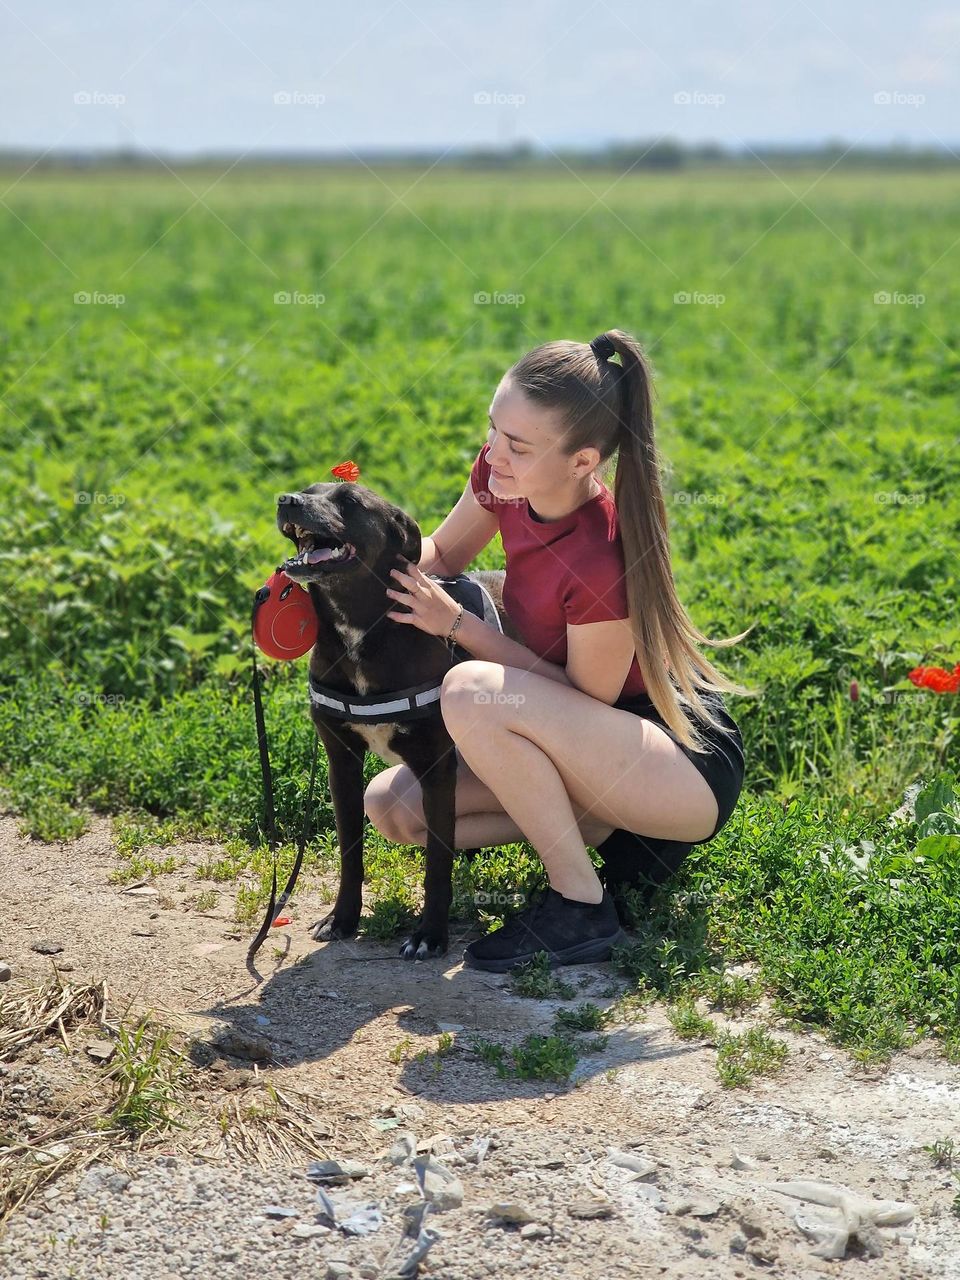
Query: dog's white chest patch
{"x": 377, "y": 737}
{"x": 351, "y": 638}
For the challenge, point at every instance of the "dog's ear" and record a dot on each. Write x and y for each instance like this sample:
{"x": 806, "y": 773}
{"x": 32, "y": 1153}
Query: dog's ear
{"x": 411, "y": 543}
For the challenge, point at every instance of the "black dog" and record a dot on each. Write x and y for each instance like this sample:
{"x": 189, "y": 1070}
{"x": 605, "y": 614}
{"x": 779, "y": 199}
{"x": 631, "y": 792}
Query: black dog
{"x": 348, "y": 539}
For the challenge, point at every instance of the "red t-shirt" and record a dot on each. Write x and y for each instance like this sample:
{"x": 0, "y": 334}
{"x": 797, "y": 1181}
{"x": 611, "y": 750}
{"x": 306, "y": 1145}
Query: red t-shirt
{"x": 559, "y": 572}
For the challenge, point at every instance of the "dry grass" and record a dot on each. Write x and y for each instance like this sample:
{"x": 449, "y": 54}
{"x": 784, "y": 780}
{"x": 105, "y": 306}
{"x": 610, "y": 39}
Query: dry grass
{"x": 270, "y": 1125}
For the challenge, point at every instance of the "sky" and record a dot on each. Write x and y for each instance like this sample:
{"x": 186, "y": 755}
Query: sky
{"x": 184, "y": 77}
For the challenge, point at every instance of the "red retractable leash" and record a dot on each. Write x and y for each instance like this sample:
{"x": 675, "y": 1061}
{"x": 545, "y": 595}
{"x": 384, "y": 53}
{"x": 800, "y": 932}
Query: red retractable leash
{"x": 283, "y": 628}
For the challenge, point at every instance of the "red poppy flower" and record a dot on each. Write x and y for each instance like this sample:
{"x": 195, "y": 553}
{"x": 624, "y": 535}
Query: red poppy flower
{"x": 346, "y": 471}
{"x": 936, "y": 678}
{"x": 854, "y": 691}
{"x": 280, "y": 921}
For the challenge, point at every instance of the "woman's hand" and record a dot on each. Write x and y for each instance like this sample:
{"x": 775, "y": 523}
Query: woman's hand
{"x": 433, "y": 610}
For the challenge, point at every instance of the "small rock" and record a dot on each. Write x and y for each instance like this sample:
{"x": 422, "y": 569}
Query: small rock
{"x": 241, "y": 1044}
{"x": 66, "y": 966}
{"x": 534, "y": 1231}
{"x": 404, "y": 1149}
{"x": 406, "y": 1110}
{"x": 586, "y": 1209}
{"x": 438, "y": 1184}
{"x": 55, "y": 1152}
{"x": 638, "y": 1165}
{"x": 141, "y": 891}
{"x": 697, "y": 1206}
{"x": 143, "y": 933}
{"x": 737, "y": 1161}
{"x": 280, "y": 1211}
{"x": 101, "y": 1050}
{"x": 235, "y": 1078}
{"x": 450, "y": 1026}
{"x": 6, "y": 973}
{"x": 45, "y": 947}
{"x": 337, "y": 1269}
{"x": 766, "y": 1251}
{"x": 335, "y": 1173}
{"x": 750, "y": 1224}
{"x": 511, "y": 1211}
{"x": 307, "y": 1231}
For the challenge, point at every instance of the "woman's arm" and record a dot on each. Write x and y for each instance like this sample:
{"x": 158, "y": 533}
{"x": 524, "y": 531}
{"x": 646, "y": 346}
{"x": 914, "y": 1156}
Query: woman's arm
{"x": 430, "y": 561}
{"x": 489, "y": 645}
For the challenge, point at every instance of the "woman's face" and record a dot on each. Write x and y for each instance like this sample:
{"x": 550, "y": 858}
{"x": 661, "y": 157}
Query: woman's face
{"x": 531, "y": 463}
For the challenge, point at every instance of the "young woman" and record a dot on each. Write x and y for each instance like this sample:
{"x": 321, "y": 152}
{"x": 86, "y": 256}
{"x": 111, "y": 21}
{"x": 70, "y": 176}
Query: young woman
{"x": 607, "y": 727}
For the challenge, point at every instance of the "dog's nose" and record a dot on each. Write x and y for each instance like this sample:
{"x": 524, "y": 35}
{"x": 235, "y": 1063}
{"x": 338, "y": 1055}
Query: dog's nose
{"x": 289, "y": 499}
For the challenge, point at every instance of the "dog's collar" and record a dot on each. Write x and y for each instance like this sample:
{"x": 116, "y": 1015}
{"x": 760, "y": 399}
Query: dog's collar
{"x": 418, "y": 700}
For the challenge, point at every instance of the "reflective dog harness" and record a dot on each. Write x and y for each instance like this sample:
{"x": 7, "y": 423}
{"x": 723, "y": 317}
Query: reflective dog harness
{"x": 417, "y": 701}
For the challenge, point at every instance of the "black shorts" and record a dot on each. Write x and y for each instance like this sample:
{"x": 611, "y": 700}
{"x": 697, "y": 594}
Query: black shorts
{"x": 626, "y": 855}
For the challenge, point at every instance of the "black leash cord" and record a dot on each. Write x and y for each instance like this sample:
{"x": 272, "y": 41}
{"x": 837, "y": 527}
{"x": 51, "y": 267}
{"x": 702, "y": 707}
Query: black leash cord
{"x": 275, "y": 907}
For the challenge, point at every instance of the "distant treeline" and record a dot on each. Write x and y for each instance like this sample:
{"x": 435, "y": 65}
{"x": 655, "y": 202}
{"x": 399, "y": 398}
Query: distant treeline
{"x": 663, "y": 154}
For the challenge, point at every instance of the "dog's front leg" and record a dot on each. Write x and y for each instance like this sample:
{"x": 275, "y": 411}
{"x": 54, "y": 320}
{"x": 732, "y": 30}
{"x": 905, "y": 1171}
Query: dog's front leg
{"x": 439, "y": 786}
{"x": 345, "y": 773}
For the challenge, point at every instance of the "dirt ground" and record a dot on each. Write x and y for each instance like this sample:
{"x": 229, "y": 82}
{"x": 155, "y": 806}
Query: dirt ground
{"x": 643, "y": 1165}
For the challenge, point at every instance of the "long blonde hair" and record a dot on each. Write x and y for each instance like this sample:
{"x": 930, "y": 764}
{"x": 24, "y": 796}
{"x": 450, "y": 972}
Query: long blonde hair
{"x": 608, "y": 406}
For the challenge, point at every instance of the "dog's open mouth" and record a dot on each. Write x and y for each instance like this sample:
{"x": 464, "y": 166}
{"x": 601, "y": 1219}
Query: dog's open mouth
{"x": 317, "y": 550}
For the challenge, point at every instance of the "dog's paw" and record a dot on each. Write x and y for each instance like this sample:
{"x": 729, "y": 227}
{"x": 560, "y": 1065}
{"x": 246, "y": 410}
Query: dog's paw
{"x": 423, "y": 944}
{"x": 333, "y": 928}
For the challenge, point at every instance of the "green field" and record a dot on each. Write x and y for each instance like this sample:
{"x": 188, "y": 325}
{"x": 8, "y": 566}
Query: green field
{"x": 810, "y": 434}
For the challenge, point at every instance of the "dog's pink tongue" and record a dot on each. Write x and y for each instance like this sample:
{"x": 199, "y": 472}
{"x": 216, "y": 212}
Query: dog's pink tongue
{"x": 322, "y": 553}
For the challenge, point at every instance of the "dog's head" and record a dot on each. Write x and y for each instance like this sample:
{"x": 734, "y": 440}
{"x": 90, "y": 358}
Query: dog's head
{"x": 338, "y": 527}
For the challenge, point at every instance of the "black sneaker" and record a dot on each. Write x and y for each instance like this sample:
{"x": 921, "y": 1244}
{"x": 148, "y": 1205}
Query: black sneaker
{"x": 569, "y": 932}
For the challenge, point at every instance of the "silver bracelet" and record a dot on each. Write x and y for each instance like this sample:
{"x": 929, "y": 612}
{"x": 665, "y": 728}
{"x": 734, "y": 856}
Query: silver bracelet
{"x": 453, "y": 630}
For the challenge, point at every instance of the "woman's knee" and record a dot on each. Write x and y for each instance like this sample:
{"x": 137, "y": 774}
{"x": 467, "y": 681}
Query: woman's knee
{"x": 390, "y": 804}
